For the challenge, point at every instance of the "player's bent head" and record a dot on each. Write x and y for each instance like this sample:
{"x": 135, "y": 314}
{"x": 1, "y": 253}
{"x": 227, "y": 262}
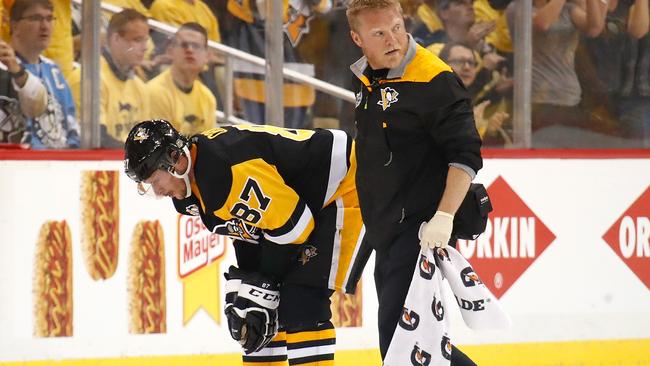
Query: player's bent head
{"x": 152, "y": 145}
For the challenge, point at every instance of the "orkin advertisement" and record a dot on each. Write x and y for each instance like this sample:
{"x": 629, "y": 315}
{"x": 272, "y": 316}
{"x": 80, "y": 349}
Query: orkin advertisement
{"x": 514, "y": 237}
{"x": 90, "y": 269}
{"x": 629, "y": 237}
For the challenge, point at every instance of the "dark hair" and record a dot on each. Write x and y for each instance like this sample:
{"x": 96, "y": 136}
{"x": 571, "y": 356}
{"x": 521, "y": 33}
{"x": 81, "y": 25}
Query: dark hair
{"x": 121, "y": 19}
{"x": 195, "y": 27}
{"x": 21, "y": 6}
{"x": 446, "y": 50}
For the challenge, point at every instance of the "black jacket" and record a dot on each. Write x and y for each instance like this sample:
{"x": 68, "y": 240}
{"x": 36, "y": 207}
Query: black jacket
{"x": 411, "y": 125}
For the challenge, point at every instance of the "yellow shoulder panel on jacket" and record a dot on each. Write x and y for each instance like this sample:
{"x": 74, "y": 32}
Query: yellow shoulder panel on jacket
{"x": 424, "y": 67}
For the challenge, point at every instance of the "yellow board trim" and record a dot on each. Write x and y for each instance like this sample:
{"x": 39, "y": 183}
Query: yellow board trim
{"x": 634, "y": 352}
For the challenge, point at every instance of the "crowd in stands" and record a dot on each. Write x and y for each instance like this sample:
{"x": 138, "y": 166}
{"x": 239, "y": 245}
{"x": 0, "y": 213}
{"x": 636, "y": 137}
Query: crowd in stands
{"x": 590, "y": 84}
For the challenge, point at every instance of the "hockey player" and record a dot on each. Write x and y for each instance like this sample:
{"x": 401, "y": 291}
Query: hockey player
{"x": 288, "y": 199}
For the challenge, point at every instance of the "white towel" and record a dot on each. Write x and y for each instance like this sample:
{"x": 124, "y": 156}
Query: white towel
{"x": 422, "y": 334}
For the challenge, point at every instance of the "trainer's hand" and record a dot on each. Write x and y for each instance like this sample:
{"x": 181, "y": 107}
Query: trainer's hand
{"x": 437, "y": 231}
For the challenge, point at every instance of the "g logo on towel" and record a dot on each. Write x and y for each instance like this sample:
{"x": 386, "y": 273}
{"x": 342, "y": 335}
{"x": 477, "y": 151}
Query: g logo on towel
{"x": 426, "y": 268}
{"x": 445, "y": 347}
{"x": 420, "y": 357}
{"x": 469, "y": 277}
{"x": 409, "y": 319}
{"x": 437, "y": 309}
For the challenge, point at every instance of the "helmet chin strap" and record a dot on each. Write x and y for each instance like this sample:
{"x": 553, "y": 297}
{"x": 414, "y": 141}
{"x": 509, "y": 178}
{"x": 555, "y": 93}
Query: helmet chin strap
{"x": 186, "y": 174}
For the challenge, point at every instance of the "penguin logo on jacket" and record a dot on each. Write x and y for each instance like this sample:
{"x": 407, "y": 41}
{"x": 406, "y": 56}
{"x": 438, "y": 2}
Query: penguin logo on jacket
{"x": 388, "y": 97}
{"x": 409, "y": 319}
{"x": 420, "y": 357}
{"x": 427, "y": 269}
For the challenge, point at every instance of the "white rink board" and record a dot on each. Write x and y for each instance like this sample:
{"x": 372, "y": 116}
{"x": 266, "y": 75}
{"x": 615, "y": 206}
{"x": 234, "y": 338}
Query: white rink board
{"x": 577, "y": 289}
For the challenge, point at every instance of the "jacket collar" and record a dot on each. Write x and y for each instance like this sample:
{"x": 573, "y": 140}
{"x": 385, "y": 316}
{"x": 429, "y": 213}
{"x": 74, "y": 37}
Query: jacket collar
{"x": 111, "y": 64}
{"x": 361, "y": 64}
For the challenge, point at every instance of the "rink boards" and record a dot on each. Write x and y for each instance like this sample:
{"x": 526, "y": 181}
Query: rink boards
{"x": 566, "y": 252}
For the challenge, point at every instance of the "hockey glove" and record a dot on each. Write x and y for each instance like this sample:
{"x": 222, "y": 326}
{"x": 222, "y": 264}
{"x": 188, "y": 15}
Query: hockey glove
{"x": 234, "y": 276}
{"x": 437, "y": 231}
{"x": 253, "y": 316}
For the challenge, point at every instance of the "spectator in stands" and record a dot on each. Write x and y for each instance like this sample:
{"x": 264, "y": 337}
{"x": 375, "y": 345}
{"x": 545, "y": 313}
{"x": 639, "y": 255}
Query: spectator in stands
{"x": 459, "y": 21}
{"x": 60, "y": 49}
{"x": 460, "y": 26}
{"x": 124, "y": 97}
{"x": 556, "y": 91}
{"x": 248, "y": 35}
{"x": 427, "y": 24}
{"x": 180, "y": 97}
{"x": 22, "y": 95}
{"x": 498, "y": 40}
{"x": 464, "y": 63}
{"x": 131, "y": 4}
{"x": 31, "y": 30}
{"x": 177, "y": 12}
{"x": 621, "y": 59}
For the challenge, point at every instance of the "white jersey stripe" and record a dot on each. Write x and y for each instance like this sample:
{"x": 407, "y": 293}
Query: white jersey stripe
{"x": 338, "y": 163}
{"x": 270, "y": 351}
{"x": 336, "y": 248}
{"x": 297, "y": 230}
{"x": 311, "y": 351}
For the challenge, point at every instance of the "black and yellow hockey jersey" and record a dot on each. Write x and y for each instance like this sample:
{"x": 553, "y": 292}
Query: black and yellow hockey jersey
{"x": 268, "y": 184}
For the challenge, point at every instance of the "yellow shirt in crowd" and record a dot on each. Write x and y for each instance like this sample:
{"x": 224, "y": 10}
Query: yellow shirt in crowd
{"x": 177, "y": 12}
{"x": 190, "y": 112}
{"x": 130, "y": 4}
{"x": 500, "y": 37}
{"x": 429, "y": 17}
{"x": 123, "y": 101}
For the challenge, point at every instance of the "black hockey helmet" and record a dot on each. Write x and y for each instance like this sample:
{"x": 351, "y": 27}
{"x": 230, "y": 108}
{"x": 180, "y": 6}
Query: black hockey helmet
{"x": 151, "y": 145}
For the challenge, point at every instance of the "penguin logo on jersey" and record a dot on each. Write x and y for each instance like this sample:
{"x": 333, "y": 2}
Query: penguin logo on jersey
{"x": 307, "y": 253}
{"x": 420, "y": 357}
{"x": 141, "y": 135}
{"x": 238, "y": 229}
{"x": 445, "y": 347}
{"x": 437, "y": 309}
{"x": 357, "y": 99}
{"x": 409, "y": 319}
{"x": 388, "y": 97}
{"x": 426, "y": 268}
{"x": 192, "y": 209}
{"x": 50, "y": 127}
{"x": 12, "y": 121}
{"x": 469, "y": 277}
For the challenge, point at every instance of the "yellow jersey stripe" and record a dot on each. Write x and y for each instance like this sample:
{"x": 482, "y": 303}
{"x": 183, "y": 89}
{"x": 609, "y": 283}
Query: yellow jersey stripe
{"x": 311, "y": 336}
